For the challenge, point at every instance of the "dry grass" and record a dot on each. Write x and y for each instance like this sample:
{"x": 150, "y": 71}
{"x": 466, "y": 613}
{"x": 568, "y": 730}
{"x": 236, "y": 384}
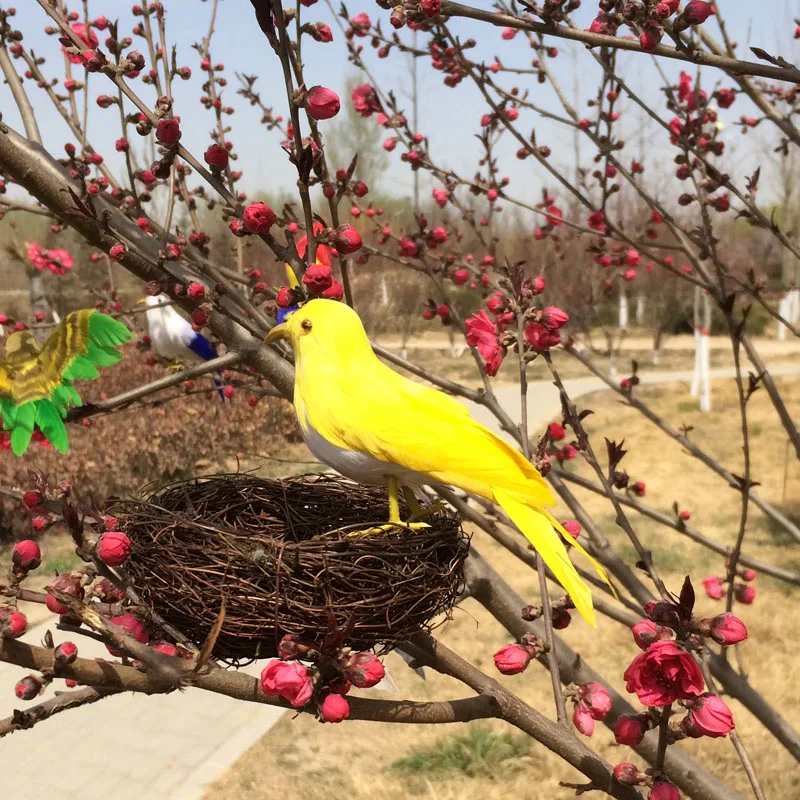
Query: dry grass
{"x": 301, "y": 758}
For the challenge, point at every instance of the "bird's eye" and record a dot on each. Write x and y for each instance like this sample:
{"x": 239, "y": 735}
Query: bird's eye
{"x": 306, "y": 324}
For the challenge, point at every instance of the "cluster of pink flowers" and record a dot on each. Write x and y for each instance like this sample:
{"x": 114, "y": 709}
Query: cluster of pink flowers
{"x": 665, "y": 672}
{"x": 744, "y": 593}
{"x": 296, "y": 683}
{"x": 56, "y": 261}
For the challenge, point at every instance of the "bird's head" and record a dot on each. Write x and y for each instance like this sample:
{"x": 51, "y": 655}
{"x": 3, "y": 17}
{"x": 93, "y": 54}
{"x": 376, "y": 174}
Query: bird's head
{"x": 323, "y": 326}
{"x": 153, "y": 300}
{"x": 21, "y": 346}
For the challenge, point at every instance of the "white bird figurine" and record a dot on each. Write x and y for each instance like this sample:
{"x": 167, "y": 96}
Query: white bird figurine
{"x": 173, "y": 338}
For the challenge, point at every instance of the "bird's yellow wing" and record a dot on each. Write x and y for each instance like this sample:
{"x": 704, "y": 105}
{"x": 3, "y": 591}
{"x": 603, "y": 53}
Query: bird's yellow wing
{"x": 372, "y": 409}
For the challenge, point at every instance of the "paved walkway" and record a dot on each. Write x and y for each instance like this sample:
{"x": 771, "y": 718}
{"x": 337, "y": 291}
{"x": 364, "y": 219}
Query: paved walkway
{"x": 131, "y": 747}
{"x": 544, "y": 403}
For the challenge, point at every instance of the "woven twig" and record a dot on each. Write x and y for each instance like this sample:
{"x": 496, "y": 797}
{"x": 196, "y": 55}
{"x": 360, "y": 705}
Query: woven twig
{"x": 281, "y": 555}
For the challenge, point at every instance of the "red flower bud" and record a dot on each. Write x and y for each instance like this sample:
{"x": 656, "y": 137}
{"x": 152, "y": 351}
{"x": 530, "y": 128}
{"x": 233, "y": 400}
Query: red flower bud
{"x": 334, "y": 708}
{"x": 407, "y": 247}
{"x": 117, "y": 251}
{"x": 26, "y": 555}
{"x": 629, "y": 775}
{"x": 646, "y": 632}
{"x": 196, "y": 291}
{"x": 582, "y": 719}
{"x": 630, "y": 729}
{"x": 322, "y": 103}
{"x": 430, "y": 8}
{"x": 572, "y": 527}
{"x": 364, "y": 670}
{"x": 200, "y": 317}
{"x": 346, "y": 239}
{"x": 334, "y": 292}
{"x": 13, "y": 623}
{"x": 132, "y": 626}
{"x": 28, "y": 687}
{"x": 258, "y": 218}
{"x": 713, "y": 587}
{"x": 113, "y": 548}
{"x": 318, "y": 278}
{"x": 68, "y": 585}
{"x": 168, "y": 131}
{"x": 216, "y": 156}
{"x": 708, "y": 716}
{"x": 744, "y": 594}
{"x": 512, "y": 659}
{"x": 664, "y": 790}
{"x": 697, "y": 12}
{"x": 461, "y": 276}
{"x": 32, "y": 499}
{"x": 65, "y": 654}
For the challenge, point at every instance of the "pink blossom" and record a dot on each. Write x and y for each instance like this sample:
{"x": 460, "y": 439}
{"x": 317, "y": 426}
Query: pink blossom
{"x": 582, "y": 719}
{"x": 713, "y": 587}
{"x": 482, "y": 333}
{"x": 728, "y": 629}
{"x": 596, "y": 698}
{"x": 662, "y": 674}
{"x": 289, "y": 680}
{"x": 365, "y": 100}
{"x": 87, "y": 36}
{"x": 708, "y": 716}
{"x": 56, "y": 261}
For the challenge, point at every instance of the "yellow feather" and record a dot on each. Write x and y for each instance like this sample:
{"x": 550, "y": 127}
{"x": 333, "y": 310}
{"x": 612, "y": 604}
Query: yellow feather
{"x": 540, "y": 533}
{"x": 357, "y": 403}
{"x": 291, "y": 277}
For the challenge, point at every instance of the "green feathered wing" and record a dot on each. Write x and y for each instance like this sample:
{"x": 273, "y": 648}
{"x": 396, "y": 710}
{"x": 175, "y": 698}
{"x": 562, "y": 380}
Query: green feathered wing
{"x": 35, "y": 381}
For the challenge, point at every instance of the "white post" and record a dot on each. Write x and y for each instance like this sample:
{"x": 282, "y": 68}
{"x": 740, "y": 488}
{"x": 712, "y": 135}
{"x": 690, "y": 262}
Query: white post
{"x": 705, "y": 374}
{"x": 783, "y": 311}
{"x": 384, "y": 291}
{"x": 695, "y": 388}
{"x": 639, "y": 309}
{"x": 623, "y": 310}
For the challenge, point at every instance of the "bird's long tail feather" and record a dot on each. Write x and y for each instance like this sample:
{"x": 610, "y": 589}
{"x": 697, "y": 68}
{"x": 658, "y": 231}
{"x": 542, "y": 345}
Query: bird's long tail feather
{"x": 538, "y": 527}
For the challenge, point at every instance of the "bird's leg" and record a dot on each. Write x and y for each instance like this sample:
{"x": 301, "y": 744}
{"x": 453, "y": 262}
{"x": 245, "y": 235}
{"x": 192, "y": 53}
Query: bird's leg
{"x": 395, "y": 522}
{"x": 394, "y": 499}
{"x": 417, "y": 511}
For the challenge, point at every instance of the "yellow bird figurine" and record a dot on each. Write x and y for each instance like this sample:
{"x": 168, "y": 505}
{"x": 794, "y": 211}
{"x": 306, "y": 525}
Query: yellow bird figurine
{"x": 375, "y": 426}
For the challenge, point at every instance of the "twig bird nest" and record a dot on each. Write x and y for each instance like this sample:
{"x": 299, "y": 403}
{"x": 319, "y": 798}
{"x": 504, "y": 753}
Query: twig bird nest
{"x": 281, "y": 554}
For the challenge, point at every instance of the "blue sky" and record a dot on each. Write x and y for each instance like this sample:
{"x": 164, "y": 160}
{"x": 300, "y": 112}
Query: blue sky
{"x": 449, "y": 116}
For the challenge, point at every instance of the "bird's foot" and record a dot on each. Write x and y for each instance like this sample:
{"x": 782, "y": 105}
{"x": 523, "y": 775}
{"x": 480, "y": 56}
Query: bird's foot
{"x": 175, "y": 366}
{"x": 391, "y": 526}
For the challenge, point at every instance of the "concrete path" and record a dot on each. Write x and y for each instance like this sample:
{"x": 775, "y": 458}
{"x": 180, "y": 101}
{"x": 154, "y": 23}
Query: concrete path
{"x": 544, "y": 403}
{"x": 171, "y": 747}
{"x": 129, "y": 747}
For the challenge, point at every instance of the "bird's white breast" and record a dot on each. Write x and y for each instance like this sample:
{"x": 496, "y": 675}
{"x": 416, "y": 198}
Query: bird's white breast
{"x": 360, "y": 467}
